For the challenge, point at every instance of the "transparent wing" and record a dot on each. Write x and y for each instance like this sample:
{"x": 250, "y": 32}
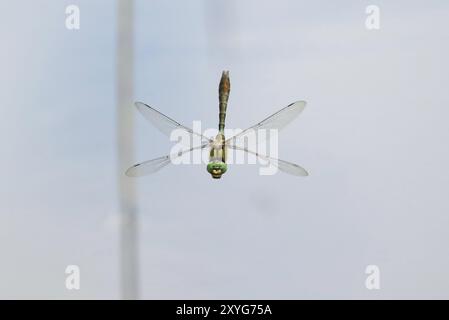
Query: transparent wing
{"x": 277, "y": 120}
{"x": 148, "y": 167}
{"x": 165, "y": 124}
{"x": 284, "y": 166}
{"x": 152, "y": 166}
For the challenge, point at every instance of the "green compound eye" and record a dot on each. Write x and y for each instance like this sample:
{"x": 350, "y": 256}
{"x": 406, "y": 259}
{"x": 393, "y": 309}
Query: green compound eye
{"x": 216, "y": 169}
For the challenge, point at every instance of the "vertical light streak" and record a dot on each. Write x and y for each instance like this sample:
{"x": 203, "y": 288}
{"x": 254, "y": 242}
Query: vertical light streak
{"x": 125, "y": 138}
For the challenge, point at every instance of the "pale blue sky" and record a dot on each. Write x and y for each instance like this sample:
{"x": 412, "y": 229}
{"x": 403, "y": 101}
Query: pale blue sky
{"x": 373, "y": 137}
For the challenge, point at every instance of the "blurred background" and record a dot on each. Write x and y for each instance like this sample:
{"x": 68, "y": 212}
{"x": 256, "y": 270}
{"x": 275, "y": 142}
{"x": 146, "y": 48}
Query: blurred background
{"x": 374, "y": 138}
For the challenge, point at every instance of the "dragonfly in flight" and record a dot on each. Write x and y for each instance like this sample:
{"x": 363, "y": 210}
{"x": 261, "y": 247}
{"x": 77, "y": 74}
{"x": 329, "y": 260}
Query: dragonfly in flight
{"x": 218, "y": 147}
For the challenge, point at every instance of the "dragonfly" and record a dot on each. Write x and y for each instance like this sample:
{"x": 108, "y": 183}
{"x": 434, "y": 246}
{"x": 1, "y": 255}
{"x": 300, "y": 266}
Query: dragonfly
{"x": 218, "y": 146}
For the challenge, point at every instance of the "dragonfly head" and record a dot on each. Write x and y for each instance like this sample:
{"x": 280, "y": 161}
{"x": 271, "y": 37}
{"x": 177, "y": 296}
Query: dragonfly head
{"x": 216, "y": 168}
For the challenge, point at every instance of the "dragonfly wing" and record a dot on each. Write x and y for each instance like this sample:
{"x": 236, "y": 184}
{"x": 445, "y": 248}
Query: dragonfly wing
{"x": 154, "y": 165}
{"x": 291, "y": 168}
{"x": 284, "y": 166}
{"x": 277, "y": 120}
{"x": 165, "y": 124}
{"x": 148, "y": 167}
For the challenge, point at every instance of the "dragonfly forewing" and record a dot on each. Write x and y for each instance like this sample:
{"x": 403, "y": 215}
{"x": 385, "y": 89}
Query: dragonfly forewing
{"x": 284, "y": 166}
{"x": 154, "y": 165}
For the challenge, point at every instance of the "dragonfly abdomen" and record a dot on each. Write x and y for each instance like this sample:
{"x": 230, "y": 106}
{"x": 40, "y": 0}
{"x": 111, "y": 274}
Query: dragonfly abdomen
{"x": 223, "y": 95}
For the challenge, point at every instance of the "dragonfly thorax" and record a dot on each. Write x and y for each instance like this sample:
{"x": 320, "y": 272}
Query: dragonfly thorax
{"x": 217, "y": 157}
